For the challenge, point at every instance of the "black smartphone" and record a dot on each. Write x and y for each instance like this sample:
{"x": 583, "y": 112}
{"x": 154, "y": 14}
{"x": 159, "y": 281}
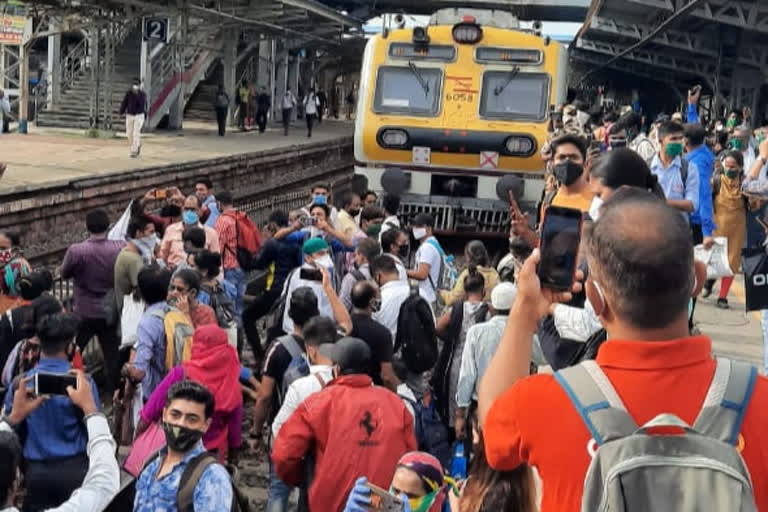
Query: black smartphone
{"x": 383, "y": 501}
{"x": 311, "y": 274}
{"x": 54, "y": 383}
{"x": 559, "y": 246}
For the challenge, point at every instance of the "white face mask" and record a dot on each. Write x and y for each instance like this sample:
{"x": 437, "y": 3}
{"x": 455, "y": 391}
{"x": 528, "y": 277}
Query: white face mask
{"x": 419, "y": 233}
{"x": 594, "y": 208}
{"x": 325, "y": 262}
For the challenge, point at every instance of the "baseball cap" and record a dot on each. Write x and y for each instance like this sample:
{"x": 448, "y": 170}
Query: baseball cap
{"x": 503, "y": 296}
{"x": 351, "y": 355}
{"x": 314, "y": 245}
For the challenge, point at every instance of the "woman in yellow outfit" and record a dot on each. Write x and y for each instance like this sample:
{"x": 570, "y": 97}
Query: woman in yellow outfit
{"x": 476, "y": 255}
{"x": 730, "y": 217}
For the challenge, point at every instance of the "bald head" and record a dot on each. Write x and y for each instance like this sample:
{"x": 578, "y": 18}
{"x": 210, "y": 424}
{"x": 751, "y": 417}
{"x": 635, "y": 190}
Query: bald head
{"x": 645, "y": 268}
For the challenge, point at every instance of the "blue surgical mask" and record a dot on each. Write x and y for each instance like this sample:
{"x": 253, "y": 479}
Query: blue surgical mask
{"x": 189, "y": 217}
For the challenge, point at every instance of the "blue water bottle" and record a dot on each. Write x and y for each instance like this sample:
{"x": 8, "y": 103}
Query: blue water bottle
{"x": 459, "y": 462}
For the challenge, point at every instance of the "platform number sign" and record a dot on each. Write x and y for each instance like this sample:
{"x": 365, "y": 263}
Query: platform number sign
{"x": 156, "y": 29}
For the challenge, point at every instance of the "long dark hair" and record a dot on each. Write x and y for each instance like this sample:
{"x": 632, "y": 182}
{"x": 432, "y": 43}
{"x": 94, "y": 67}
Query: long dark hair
{"x": 623, "y": 167}
{"x": 488, "y": 490}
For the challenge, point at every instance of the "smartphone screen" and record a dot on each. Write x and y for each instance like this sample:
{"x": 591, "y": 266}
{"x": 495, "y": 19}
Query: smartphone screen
{"x": 161, "y": 193}
{"x": 310, "y": 274}
{"x": 384, "y": 501}
{"x": 560, "y": 238}
{"x": 54, "y": 383}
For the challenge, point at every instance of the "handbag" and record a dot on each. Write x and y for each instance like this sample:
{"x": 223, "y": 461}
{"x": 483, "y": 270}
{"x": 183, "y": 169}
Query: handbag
{"x": 716, "y": 258}
{"x": 755, "y": 264}
{"x": 129, "y": 321}
{"x": 144, "y": 447}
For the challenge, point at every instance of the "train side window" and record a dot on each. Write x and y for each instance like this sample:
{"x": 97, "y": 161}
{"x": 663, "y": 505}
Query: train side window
{"x": 402, "y": 90}
{"x": 522, "y": 96}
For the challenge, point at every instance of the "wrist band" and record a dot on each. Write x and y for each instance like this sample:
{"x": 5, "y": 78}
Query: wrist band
{"x": 85, "y": 419}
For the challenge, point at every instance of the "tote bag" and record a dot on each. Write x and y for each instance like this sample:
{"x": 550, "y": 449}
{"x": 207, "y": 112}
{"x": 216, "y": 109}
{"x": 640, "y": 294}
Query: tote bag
{"x": 755, "y": 264}
{"x": 144, "y": 447}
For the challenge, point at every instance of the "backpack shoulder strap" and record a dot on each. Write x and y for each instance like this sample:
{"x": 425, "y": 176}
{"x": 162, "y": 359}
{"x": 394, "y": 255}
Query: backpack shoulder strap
{"x": 291, "y": 345}
{"x": 726, "y": 402}
{"x": 359, "y": 276}
{"x": 684, "y": 170}
{"x": 185, "y": 498}
{"x": 597, "y": 402}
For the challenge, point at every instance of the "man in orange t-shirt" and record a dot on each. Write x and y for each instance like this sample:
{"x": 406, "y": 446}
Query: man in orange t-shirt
{"x": 641, "y": 277}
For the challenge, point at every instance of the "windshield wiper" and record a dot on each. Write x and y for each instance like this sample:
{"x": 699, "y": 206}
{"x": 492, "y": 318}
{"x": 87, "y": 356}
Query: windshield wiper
{"x": 415, "y": 71}
{"x": 512, "y": 74}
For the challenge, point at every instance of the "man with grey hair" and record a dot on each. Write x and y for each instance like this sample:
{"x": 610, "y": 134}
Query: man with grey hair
{"x": 642, "y": 277}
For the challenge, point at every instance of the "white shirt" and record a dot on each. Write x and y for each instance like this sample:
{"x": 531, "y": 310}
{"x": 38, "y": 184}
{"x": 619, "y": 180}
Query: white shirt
{"x": 5, "y": 105}
{"x": 428, "y": 254}
{"x": 749, "y": 158}
{"x": 389, "y": 223}
{"x": 293, "y": 282}
{"x": 289, "y": 100}
{"x": 393, "y": 294}
{"x": 310, "y": 104}
{"x": 577, "y": 324}
{"x": 401, "y": 272}
{"x": 299, "y": 390}
{"x": 102, "y": 482}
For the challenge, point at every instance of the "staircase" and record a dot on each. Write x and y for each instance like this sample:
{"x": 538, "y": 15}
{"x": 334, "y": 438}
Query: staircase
{"x": 200, "y": 104}
{"x": 73, "y": 110}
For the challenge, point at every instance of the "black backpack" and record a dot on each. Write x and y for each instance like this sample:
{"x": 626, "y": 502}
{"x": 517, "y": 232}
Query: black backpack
{"x": 416, "y": 335}
{"x": 185, "y": 498}
{"x": 222, "y": 305}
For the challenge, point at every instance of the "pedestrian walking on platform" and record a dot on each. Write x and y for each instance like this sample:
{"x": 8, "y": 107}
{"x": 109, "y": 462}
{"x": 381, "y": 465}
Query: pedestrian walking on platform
{"x": 134, "y": 107}
{"x": 289, "y": 103}
{"x": 310, "y": 110}
{"x": 263, "y": 104}
{"x": 221, "y": 105}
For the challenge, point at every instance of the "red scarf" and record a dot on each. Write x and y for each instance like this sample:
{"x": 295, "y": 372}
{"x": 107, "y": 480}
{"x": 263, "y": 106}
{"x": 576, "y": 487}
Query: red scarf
{"x": 214, "y": 364}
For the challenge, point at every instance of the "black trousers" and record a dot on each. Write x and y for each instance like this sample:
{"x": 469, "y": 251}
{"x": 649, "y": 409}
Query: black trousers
{"x": 108, "y": 340}
{"x": 221, "y": 120}
{"x": 261, "y": 120}
{"x": 287, "y": 113}
{"x": 310, "y": 121}
{"x": 241, "y": 116}
{"x": 251, "y": 314}
{"x": 698, "y": 237}
{"x": 50, "y": 483}
{"x": 320, "y": 114}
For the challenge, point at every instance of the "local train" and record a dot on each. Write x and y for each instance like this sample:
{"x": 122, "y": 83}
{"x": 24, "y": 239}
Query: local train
{"x": 450, "y": 107}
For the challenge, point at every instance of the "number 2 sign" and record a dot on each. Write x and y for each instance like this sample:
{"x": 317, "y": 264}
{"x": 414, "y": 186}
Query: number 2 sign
{"x": 156, "y": 29}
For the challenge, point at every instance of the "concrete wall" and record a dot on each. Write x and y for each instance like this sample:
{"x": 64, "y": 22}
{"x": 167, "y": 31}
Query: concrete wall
{"x": 51, "y": 219}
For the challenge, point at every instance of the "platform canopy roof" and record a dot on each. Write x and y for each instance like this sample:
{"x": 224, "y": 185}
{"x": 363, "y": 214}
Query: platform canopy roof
{"x": 718, "y": 43}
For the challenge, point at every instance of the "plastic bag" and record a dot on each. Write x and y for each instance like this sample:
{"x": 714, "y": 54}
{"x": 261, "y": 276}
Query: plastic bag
{"x": 716, "y": 258}
{"x": 120, "y": 229}
{"x": 129, "y": 320}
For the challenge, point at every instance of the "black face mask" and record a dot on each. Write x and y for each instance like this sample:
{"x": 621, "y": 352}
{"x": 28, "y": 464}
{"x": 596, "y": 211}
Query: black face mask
{"x": 170, "y": 210}
{"x": 354, "y": 213}
{"x": 403, "y": 250}
{"x": 181, "y": 439}
{"x": 568, "y": 172}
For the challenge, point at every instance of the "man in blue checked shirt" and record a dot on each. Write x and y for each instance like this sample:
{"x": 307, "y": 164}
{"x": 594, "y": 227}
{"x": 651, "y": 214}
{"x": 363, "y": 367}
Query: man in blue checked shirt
{"x": 668, "y": 166}
{"x": 186, "y": 417}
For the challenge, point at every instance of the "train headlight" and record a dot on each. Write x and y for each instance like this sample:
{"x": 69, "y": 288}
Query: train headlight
{"x": 394, "y": 138}
{"x": 520, "y": 145}
{"x": 467, "y": 33}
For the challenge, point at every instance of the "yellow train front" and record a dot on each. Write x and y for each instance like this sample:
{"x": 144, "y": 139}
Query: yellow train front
{"x": 455, "y": 105}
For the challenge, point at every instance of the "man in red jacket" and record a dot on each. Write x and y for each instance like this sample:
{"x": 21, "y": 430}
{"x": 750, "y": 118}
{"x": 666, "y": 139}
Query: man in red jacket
{"x": 356, "y": 429}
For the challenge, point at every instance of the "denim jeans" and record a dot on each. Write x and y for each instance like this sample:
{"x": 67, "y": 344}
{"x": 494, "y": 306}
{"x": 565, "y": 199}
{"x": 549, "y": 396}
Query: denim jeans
{"x": 278, "y": 492}
{"x": 236, "y": 277}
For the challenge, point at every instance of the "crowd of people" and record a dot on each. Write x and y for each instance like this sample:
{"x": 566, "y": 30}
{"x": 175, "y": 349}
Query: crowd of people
{"x": 370, "y": 370}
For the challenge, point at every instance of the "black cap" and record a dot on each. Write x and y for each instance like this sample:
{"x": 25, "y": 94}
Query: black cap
{"x": 351, "y": 355}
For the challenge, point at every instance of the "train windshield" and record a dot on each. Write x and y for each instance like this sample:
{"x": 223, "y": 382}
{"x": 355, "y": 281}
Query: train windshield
{"x": 513, "y": 95}
{"x": 408, "y": 90}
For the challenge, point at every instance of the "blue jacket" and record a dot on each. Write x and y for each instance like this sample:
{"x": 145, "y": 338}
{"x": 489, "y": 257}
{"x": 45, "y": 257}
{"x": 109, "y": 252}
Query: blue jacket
{"x": 704, "y": 160}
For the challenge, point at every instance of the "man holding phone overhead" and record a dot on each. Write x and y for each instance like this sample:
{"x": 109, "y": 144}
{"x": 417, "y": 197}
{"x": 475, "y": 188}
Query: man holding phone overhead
{"x": 55, "y": 437}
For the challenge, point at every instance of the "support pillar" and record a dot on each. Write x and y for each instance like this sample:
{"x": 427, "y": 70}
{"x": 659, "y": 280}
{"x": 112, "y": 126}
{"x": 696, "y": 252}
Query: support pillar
{"x": 281, "y": 74}
{"x": 145, "y": 72}
{"x": 176, "y": 114}
{"x": 293, "y": 80}
{"x": 229, "y": 69}
{"x": 54, "y": 67}
{"x": 263, "y": 69}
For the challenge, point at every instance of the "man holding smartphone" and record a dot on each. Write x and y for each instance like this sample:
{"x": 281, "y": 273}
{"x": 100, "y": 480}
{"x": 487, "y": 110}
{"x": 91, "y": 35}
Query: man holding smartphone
{"x": 55, "y": 436}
